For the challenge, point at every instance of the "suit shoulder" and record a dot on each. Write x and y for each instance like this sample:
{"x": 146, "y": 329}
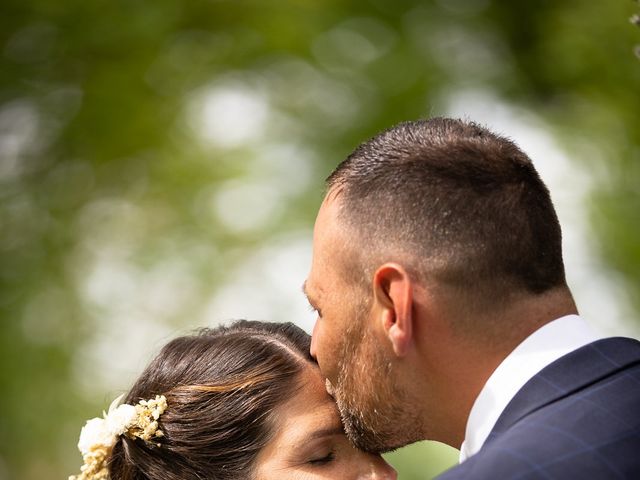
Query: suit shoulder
{"x": 593, "y": 433}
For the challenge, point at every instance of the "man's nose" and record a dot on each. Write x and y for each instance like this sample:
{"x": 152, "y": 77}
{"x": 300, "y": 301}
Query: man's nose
{"x": 314, "y": 336}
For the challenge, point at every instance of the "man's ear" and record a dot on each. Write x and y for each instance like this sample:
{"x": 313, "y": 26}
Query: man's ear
{"x": 393, "y": 294}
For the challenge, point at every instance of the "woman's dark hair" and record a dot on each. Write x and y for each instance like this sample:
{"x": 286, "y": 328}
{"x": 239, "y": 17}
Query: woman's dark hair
{"x": 222, "y": 386}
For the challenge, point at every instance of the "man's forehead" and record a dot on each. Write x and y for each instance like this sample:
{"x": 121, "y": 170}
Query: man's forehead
{"x": 329, "y": 227}
{"x": 333, "y": 243}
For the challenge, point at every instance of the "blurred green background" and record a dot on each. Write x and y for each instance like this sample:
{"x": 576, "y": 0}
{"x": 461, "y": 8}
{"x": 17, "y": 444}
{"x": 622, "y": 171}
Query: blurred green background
{"x": 161, "y": 163}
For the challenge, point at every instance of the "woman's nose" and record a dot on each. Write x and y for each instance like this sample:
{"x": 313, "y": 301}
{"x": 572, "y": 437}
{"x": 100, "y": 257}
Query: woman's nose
{"x": 381, "y": 470}
{"x": 386, "y": 473}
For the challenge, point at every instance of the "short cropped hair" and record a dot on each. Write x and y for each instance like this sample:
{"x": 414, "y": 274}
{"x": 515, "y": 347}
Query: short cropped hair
{"x": 463, "y": 204}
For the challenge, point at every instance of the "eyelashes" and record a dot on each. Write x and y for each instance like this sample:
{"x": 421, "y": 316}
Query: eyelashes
{"x": 314, "y": 310}
{"x": 323, "y": 460}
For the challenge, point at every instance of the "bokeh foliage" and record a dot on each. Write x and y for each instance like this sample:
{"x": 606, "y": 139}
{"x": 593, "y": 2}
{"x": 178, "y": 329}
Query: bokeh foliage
{"x": 115, "y": 147}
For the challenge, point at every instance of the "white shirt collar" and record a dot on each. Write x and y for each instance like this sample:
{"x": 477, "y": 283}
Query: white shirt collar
{"x": 541, "y": 348}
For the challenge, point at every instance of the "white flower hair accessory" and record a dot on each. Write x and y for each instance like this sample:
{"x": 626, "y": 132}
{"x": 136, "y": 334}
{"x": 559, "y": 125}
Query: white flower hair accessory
{"x": 99, "y": 435}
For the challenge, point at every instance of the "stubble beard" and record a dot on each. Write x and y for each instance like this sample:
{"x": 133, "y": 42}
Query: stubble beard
{"x": 375, "y": 411}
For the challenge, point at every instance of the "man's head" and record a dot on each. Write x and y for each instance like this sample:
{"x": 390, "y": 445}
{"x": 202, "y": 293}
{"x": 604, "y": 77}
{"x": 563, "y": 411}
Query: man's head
{"x": 438, "y": 212}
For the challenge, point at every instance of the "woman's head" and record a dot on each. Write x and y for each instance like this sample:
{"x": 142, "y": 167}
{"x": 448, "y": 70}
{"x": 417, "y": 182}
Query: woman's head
{"x": 244, "y": 401}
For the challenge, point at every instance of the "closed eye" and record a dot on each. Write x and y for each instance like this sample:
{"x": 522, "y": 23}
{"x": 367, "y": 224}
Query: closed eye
{"x": 312, "y": 306}
{"x": 323, "y": 460}
{"x": 315, "y": 310}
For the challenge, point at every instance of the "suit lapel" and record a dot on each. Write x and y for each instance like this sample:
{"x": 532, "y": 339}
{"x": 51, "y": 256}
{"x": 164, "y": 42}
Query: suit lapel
{"x": 567, "y": 375}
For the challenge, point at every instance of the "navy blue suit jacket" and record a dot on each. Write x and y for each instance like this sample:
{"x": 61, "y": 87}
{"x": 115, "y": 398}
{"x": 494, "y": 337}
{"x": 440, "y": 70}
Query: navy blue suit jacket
{"x": 579, "y": 418}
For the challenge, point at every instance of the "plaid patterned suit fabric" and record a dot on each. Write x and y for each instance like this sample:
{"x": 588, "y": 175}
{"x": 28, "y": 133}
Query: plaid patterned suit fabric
{"x": 579, "y": 418}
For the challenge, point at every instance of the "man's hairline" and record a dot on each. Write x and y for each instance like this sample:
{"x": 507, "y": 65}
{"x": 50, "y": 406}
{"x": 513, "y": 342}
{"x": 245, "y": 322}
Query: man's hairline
{"x": 369, "y": 262}
{"x": 368, "y": 266}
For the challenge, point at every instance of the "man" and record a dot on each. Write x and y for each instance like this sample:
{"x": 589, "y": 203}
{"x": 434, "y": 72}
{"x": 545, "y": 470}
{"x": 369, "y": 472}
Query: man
{"x": 444, "y": 314}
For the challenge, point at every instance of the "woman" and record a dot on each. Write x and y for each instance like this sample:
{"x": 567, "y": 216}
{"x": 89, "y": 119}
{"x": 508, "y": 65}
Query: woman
{"x": 239, "y": 402}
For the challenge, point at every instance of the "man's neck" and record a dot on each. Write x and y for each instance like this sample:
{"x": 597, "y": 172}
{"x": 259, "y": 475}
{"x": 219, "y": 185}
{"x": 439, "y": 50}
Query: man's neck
{"x": 459, "y": 365}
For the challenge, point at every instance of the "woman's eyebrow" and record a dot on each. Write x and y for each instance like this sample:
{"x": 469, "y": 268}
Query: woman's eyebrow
{"x": 325, "y": 432}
